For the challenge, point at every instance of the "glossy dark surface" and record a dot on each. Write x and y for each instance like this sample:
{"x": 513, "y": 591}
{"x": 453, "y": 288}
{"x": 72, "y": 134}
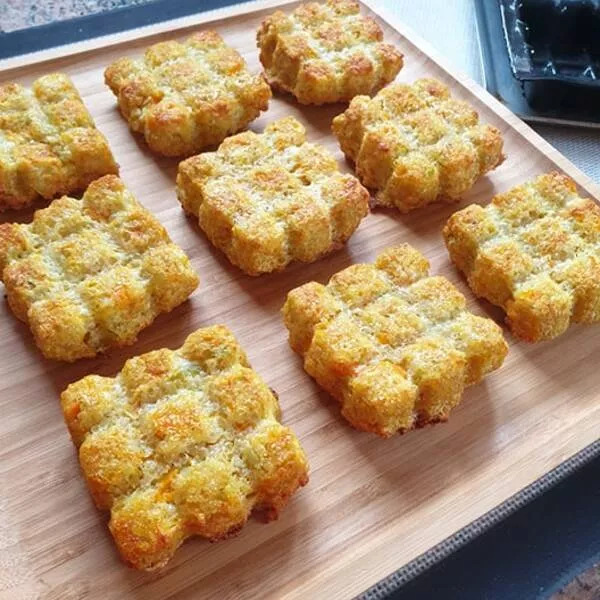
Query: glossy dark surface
{"x": 554, "y": 38}
{"x": 538, "y": 90}
{"x": 554, "y": 52}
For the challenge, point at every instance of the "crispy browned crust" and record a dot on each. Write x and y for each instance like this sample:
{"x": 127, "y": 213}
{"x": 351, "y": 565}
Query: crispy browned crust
{"x": 534, "y": 251}
{"x": 89, "y": 274}
{"x": 182, "y": 443}
{"x": 49, "y": 144}
{"x": 394, "y": 346}
{"x": 326, "y": 52}
{"x": 186, "y": 96}
{"x": 415, "y": 144}
{"x": 266, "y": 200}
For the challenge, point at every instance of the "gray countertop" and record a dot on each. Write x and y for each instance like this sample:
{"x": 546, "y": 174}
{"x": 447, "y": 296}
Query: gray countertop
{"x": 20, "y": 14}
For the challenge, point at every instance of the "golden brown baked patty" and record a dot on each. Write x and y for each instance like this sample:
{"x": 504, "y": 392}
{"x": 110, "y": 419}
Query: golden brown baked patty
{"x": 90, "y": 274}
{"x": 268, "y": 199}
{"x": 49, "y": 144}
{"x": 182, "y": 443}
{"x": 185, "y": 96}
{"x": 534, "y": 251}
{"x": 394, "y": 346}
{"x": 326, "y": 52}
{"x": 415, "y": 144}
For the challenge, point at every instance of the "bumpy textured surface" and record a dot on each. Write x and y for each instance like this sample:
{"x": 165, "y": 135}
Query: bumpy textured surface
{"x": 185, "y": 96}
{"x": 395, "y": 347}
{"x": 415, "y": 144}
{"x": 326, "y": 52}
{"x": 49, "y": 144}
{"x": 534, "y": 251}
{"x": 268, "y": 199}
{"x": 182, "y": 443}
{"x": 90, "y": 274}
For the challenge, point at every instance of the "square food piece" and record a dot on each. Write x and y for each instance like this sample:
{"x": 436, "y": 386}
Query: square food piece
{"x": 268, "y": 199}
{"x": 182, "y": 443}
{"x": 415, "y": 144}
{"x": 394, "y": 346}
{"x": 186, "y": 96}
{"x": 49, "y": 144}
{"x": 326, "y": 52}
{"x": 89, "y": 274}
{"x": 534, "y": 251}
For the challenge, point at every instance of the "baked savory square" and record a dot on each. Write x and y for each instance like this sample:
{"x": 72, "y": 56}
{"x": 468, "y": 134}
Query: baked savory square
{"x": 326, "y": 52}
{"x": 185, "y": 96}
{"x": 395, "y": 347}
{"x": 182, "y": 443}
{"x": 415, "y": 144}
{"x": 90, "y": 274}
{"x": 267, "y": 199}
{"x": 534, "y": 251}
{"x": 49, "y": 144}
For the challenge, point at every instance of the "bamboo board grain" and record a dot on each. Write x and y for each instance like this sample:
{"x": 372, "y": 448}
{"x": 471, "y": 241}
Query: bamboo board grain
{"x": 371, "y": 505}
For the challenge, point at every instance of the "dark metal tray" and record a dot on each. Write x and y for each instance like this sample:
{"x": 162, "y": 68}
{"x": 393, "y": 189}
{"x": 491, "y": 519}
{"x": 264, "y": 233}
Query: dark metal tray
{"x": 553, "y": 40}
{"x": 541, "y": 58}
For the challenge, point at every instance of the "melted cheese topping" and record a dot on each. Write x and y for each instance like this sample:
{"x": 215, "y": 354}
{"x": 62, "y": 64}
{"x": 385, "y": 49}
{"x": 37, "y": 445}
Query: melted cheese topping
{"x": 48, "y": 142}
{"x": 268, "y": 199}
{"x": 326, "y": 52}
{"x": 89, "y": 274}
{"x": 394, "y": 346}
{"x": 416, "y": 144}
{"x": 182, "y": 443}
{"x": 186, "y": 96}
{"x": 535, "y": 251}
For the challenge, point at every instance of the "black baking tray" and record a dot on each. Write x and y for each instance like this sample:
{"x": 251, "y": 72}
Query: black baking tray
{"x": 553, "y": 40}
{"x": 509, "y": 553}
{"x": 541, "y": 58}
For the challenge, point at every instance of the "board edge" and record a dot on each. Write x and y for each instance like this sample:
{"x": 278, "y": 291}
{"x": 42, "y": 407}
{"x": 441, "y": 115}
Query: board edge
{"x": 419, "y": 565}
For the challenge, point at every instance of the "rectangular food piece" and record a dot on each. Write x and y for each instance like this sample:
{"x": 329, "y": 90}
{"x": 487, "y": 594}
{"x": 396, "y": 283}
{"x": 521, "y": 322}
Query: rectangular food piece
{"x": 534, "y": 251}
{"x": 415, "y": 144}
{"x": 268, "y": 199}
{"x": 182, "y": 443}
{"x": 89, "y": 274}
{"x": 185, "y": 96}
{"x": 394, "y": 346}
{"x": 49, "y": 144}
{"x": 326, "y": 52}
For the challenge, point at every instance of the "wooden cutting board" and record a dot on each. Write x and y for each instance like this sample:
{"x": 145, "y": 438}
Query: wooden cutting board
{"x": 371, "y": 505}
